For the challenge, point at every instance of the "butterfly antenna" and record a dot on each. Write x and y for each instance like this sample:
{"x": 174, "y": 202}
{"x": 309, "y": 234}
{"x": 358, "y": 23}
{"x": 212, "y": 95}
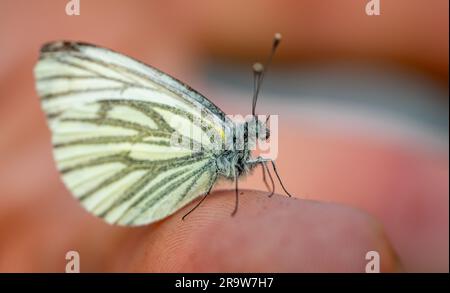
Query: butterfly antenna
{"x": 259, "y": 71}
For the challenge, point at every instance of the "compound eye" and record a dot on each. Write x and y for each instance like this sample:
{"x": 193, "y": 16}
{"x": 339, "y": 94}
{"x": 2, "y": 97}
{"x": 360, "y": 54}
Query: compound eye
{"x": 267, "y": 133}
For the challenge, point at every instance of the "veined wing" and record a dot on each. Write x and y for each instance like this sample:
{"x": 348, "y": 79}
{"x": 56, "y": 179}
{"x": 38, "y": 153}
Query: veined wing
{"x": 70, "y": 73}
{"x": 112, "y": 120}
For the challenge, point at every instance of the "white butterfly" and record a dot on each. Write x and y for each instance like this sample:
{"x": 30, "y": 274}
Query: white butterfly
{"x": 112, "y": 119}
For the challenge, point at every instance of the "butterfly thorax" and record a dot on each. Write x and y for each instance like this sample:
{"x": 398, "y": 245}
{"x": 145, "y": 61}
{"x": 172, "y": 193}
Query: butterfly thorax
{"x": 235, "y": 161}
{"x": 231, "y": 164}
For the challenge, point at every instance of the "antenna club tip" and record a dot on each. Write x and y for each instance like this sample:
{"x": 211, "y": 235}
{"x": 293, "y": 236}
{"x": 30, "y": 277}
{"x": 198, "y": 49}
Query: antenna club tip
{"x": 277, "y": 37}
{"x": 258, "y": 67}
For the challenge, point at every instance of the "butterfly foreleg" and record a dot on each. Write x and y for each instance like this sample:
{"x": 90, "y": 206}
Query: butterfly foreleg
{"x": 263, "y": 162}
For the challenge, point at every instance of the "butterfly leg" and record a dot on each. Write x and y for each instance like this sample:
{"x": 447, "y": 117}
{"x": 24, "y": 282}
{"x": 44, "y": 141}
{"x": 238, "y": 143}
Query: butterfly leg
{"x": 236, "y": 193}
{"x": 279, "y": 178}
{"x": 264, "y": 161}
{"x": 203, "y": 198}
{"x": 264, "y": 169}
{"x": 264, "y": 176}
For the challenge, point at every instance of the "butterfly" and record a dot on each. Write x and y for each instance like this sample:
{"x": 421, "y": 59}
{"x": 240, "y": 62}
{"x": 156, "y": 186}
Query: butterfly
{"x": 113, "y": 121}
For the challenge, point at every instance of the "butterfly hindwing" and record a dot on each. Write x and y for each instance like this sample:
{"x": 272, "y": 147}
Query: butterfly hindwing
{"x": 112, "y": 120}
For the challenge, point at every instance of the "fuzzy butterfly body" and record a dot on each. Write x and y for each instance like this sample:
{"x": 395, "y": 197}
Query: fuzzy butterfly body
{"x": 113, "y": 120}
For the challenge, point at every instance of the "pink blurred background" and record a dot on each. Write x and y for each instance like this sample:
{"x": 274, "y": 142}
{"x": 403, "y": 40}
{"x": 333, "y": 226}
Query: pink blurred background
{"x": 363, "y": 105}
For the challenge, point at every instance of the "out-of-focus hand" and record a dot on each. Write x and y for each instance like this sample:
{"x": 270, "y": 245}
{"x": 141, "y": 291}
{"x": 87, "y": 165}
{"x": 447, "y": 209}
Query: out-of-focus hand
{"x": 403, "y": 186}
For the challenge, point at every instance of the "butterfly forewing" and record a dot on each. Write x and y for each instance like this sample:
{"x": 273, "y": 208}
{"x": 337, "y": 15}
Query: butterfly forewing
{"x": 112, "y": 120}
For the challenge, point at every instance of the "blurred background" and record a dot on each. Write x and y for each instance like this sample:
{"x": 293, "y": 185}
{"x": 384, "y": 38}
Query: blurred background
{"x": 363, "y": 105}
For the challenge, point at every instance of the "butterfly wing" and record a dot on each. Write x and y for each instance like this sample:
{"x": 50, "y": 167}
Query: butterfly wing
{"x": 113, "y": 120}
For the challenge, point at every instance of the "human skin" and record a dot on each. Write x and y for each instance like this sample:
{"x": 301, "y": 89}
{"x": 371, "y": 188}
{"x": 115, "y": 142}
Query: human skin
{"x": 276, "y": 234}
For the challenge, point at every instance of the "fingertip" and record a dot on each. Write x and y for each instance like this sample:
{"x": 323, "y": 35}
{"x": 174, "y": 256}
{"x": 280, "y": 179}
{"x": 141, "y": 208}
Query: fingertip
{"x": 267, "y": 234}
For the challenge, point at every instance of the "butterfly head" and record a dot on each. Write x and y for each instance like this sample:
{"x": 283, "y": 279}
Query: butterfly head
{"x": 262, "y": 129}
